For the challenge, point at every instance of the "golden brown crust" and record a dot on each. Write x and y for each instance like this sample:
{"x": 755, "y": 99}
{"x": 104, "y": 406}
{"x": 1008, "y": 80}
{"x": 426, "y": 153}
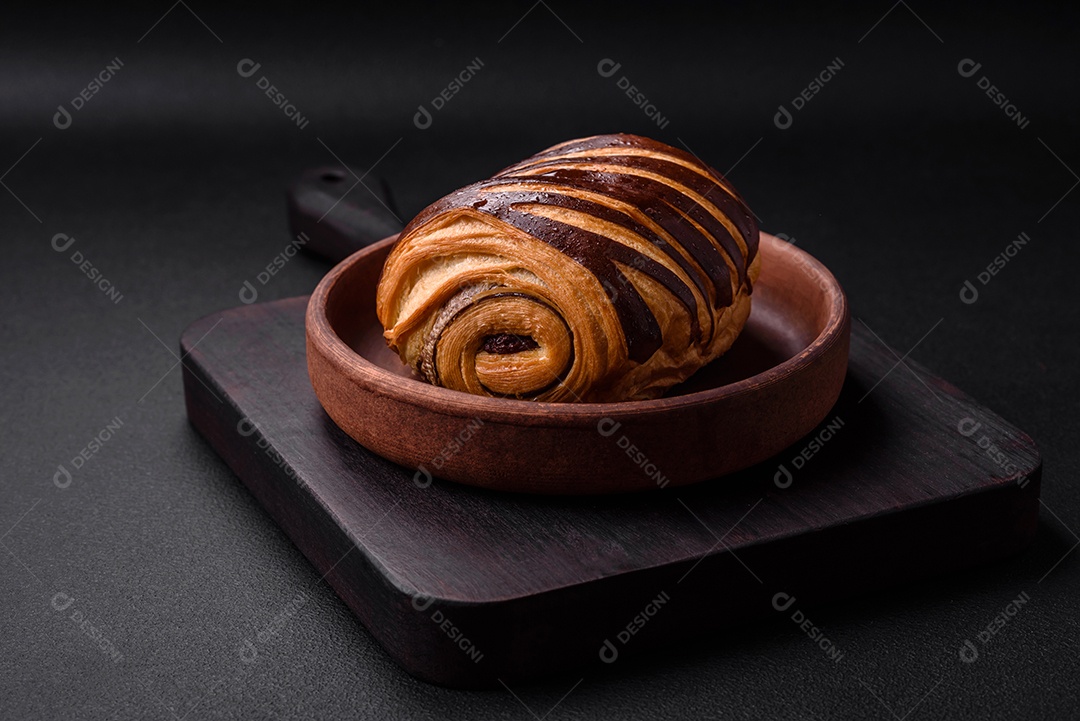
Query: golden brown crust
{"x": 602, "y": 269}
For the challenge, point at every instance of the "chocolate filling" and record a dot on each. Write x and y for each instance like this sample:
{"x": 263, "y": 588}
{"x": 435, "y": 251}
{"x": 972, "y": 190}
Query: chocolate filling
{"x": 507, "y": 343}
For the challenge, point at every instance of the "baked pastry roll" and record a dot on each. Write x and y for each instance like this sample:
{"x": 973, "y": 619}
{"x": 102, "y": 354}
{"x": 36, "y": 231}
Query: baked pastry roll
{"x": 608, "y": 268}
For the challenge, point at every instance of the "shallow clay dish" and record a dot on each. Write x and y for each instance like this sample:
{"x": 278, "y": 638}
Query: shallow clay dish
{"x": 777, "y": 382}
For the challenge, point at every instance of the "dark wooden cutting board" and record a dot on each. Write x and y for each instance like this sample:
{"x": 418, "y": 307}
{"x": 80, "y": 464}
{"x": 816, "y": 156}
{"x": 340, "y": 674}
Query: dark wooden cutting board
{"x": 907, "y": 478}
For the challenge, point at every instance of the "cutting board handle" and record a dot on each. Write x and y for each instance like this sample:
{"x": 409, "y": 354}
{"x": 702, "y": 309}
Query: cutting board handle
{"x": 340, "y": 210}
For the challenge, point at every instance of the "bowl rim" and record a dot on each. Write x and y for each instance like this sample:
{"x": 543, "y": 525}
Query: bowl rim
{"x": 415, "y": 392}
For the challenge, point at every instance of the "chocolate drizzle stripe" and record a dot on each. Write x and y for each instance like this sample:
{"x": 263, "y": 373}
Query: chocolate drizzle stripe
{"x": 649, "y": 187}
{"x": 692, "y": 239}
{"x": 690, "y": 164}
{"x": 730, "y": 207}
{"x": 618, "y": 251}
{"x": 595, "y": 253}
{"x": 616, "y": 143}
{"x": 624, "y": 141}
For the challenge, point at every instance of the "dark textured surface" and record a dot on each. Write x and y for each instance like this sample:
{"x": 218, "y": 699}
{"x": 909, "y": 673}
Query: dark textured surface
{"x": 901, "y": 175}
{"x": 532, "y": 585}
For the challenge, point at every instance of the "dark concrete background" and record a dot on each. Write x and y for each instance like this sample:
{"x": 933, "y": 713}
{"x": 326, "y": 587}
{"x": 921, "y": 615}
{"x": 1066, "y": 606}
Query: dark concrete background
{"x": 901, "y": 174}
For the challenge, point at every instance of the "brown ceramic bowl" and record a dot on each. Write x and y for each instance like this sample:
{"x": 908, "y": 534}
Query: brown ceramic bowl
{"x": 777, "y": 382}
